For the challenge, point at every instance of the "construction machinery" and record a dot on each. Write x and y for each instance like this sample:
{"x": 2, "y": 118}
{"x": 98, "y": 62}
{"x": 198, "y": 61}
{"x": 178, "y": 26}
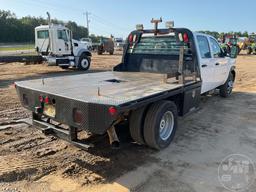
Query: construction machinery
{"x": 106, "y": 45}
{"x": 228, "y": 41}
{"x": 251, "y": 44}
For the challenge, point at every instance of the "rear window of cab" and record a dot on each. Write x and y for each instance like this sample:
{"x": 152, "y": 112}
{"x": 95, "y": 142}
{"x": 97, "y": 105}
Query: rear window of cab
{"x": 157, "y": 45}
{"x": 43, "y": 34}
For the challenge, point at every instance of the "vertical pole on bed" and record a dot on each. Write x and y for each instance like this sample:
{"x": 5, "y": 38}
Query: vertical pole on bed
{"x": 181, "y": 70}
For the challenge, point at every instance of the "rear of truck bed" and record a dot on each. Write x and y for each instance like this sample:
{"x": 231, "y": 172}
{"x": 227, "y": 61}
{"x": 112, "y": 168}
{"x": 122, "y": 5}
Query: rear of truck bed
{"x": 94, "y": 94}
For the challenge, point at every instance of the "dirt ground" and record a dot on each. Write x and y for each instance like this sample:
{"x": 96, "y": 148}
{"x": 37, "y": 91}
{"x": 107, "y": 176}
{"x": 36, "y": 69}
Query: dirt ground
{"x": 30, "y": 161}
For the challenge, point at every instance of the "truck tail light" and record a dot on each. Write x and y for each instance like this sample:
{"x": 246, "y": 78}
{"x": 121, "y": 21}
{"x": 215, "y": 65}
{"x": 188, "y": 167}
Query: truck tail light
{"x": 47, "y": 100}
{"x": 112, "y": 111}
{"x": 41, "y": 99}
{"x": 185, "y": 38}
{"x": 77, "y": 116}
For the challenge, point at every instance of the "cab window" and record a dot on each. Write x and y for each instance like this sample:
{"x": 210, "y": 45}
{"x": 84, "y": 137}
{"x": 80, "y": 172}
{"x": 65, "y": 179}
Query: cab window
{"x": 216, "y": 50}
{"x": 204, "y": 47}
{"x": 158, "y": 45}
{"x": 62, "y": 35}
{"x": 43, "y": 34}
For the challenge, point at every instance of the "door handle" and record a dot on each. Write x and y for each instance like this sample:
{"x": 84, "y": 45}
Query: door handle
{"x": 204, "y": 65}
{"x": 217, "y": 64}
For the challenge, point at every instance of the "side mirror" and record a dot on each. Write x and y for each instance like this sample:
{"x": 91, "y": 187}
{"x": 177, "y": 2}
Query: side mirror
{"x": 234, "y": 51}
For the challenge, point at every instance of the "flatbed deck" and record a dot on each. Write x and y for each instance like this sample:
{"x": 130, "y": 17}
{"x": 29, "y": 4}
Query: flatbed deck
{"x": 107, "y": 88}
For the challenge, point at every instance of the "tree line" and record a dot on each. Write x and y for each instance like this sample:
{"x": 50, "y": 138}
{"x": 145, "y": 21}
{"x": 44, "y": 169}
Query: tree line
{"x": 21, "y": 30}
{"x": 220, "y": 35}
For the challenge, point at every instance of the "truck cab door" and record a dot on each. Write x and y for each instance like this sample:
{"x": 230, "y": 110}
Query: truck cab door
{"x": 63, "y": 42}
{"x": 205, "y": 63}
{"x": 220, "y": 62}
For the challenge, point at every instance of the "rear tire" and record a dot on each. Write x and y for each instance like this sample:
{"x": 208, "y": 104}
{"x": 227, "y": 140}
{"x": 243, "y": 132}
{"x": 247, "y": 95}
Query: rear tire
{"x": 160, "y": 124}
{"x": 136, "y": 124}
{"x": 227, "y": 87}
{"x": 84, "y": 62}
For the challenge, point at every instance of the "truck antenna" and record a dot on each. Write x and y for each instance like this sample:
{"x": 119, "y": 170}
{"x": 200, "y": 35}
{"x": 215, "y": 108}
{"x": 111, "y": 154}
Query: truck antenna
{"x": 155, "y": 22}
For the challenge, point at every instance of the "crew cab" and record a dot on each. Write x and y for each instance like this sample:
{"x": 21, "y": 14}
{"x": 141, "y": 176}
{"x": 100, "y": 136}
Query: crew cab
{"x": 162, "y": 75}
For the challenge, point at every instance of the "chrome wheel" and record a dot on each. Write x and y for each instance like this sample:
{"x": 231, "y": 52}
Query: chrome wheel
{"x": 166, "y": 125}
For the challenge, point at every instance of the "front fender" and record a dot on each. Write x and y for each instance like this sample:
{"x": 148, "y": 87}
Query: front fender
{"x": 86, "y": 51}
{"x": 80, "y": 52}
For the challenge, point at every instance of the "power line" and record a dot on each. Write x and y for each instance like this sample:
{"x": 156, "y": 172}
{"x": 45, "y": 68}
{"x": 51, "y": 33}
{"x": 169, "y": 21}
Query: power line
{"x": 58, "y": 7}
{"x": 109, "y": 22}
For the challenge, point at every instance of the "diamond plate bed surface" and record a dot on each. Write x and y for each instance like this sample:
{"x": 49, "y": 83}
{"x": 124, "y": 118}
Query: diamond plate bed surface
{"x": 115, "y": 88}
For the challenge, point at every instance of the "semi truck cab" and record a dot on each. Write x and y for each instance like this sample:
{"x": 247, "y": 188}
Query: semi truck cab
{"x": 55, "y": 43}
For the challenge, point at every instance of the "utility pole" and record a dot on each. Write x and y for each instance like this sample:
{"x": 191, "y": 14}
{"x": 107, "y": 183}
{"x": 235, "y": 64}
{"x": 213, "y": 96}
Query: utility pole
{"x": 87, "y": 21}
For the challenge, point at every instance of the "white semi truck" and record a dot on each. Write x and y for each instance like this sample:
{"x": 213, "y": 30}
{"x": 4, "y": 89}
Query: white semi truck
{"x": 55, "y": 43}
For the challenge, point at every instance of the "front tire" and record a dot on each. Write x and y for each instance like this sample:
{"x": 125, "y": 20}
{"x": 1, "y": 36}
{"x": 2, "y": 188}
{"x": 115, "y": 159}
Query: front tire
{"x": 84, "y": 62}
{"x": 227, "y": 87}
{"x": 160, "y": 124}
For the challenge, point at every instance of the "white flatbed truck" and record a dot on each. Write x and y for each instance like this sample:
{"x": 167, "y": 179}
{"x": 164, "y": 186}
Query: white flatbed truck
{"x": 162, "y": 76}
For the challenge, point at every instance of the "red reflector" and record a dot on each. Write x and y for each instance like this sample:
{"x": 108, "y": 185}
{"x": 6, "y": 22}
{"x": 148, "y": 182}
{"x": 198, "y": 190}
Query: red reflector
{"x": 77, "y": 116}
{"x": 47, "y": 100}
{"x": 41, "y": 99}
{"x": 112, "y": 110}
{"x": 185, "y": 38}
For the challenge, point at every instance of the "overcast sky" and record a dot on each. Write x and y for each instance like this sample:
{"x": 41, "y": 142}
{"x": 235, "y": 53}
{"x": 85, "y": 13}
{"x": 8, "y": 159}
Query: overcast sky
{"x": 119, "y": 17}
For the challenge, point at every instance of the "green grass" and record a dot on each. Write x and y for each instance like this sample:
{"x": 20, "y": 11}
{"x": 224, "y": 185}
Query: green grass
{"x": 17, "y": 48}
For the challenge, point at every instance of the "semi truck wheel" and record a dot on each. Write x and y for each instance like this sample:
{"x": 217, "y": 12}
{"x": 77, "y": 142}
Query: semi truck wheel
{"x": 227, "y": 87}
{"x": 160, "y": 124}
{"x": 136, "y": 124}
{"x": 84, "y": 62}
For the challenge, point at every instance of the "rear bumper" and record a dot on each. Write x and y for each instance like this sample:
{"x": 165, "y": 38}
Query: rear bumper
{"x": 69, "y": 135}
{"x": 95, "y": 117}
